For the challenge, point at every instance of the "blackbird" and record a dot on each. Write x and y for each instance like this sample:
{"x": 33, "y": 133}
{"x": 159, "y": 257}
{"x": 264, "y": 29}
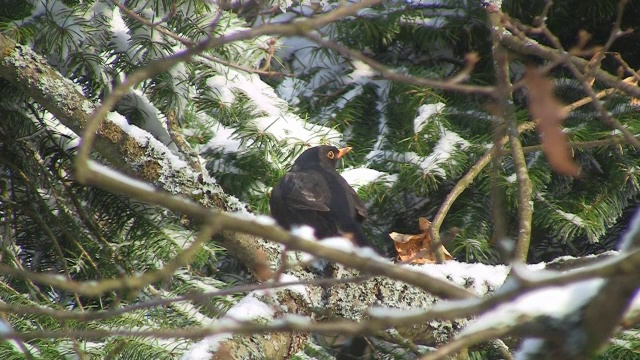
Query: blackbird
{"x": 313, "y": 193}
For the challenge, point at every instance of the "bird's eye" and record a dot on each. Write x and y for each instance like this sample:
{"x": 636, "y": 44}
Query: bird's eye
{"x": 331, "y": 155}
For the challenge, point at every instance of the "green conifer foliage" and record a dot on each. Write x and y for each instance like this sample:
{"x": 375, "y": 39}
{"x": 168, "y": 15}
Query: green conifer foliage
{"x": 411, "y": 144}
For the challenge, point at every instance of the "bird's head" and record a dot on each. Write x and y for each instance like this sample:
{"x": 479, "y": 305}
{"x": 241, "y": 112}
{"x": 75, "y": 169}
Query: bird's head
{"x": 324, "y": 155}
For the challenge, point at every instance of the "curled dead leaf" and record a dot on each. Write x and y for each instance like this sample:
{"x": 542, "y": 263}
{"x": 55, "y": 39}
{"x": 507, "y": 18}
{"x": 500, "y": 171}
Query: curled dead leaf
{"x": 262, "y": 269}
{"x": 549, "y": 114}
{"x": 417, "y": 248}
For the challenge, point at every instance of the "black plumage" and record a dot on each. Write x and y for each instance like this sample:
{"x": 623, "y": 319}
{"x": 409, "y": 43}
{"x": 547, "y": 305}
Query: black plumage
{"x": 313, "y": 193}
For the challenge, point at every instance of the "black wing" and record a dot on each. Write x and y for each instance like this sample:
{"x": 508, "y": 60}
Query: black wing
{"x": 302, "y": 198}
{"x": 305, "y": 191}
{"x": 357, "y": 202}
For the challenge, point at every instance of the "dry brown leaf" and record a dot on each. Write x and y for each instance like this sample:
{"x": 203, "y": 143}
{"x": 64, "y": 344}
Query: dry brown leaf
{"x": 549, "y": 112}
{"x": 261, "y": 266}
{"x": 417, "y": 249}
{"x": 223, "y": 352}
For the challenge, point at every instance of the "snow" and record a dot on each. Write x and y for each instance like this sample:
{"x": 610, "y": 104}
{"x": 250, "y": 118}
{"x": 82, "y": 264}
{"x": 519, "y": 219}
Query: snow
{"x": 291, "y": 89}
{"x": 119, "y": 32}
{"x": 308, "y": 233}
{"x": 154, "y": 121}
{"x": 361, "y": 74}
{"x": 628, "y": 240}
{"x": 248, "y": 308}
{"x": 139, "y": 50}
{"x": 554, "y": 302}
{"x": 265, "y": 220}
{"x": 146, "y": 139}
{"x": 575, "y": 219}
{"x": 393, "y": 313}
{"x": 236, "y": 206}
{"x": 105, "y": 171}
{"x": 285, "y": 279}
{"x": 261, "y": 95}
{"x": 533, "y": 273}
{"x": 204, "y": 349}
{"x": 369, "y": 253}
{"x": 5, "y": 329}
{"x": 218, "y": 85}
{"x": 67, "y": 139}
{"x": 293, "y": 130}
{"x": 306, "y": 59}
{"x": 330, "y": 111}
{"x": 272, "y": 115}
{"x": 339, "y": 243}
{"x": 304, "y": 231}
{"x": 362, "y": 176}
{"x": 298, "y": 289}
{"x": 382, "y": 91}
{"x": 477, "y": 277}
{"x": 424, "y": 113}
{"x": 528, "y": 348}
{"x": 224, "y": 139}
{"x": 118, "y": 119}
{"x": 432, "y": 22}
{"x": 442, "y": 152}
{"x": 65, "y": 19}
{"x": 447, "y": 144}
{"x": 180, "y": 84}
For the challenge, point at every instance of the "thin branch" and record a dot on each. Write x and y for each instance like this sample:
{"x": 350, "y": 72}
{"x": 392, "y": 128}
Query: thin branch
{"x": 97, "y": 288}
{"x": 218, "y": 221}
{"x": 615, "y": 33}
{"x": 189, "y": 43}
{"x": 196, "y": 297}
{"x": 617, "y": 140}
{"x": 156, "y": 67}
{"x": 475, "y": 170}
{"x": 463, "y": 342}
{"x": 522, "y": 44}
{"x": 452, "y": 84}
{"x": 506, "y": 110}
{"x": 529, "y": 46}
{"x": 627, "y": 68}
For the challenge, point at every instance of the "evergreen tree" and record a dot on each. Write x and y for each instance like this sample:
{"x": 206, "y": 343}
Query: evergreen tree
{"x": 249, "y": 108}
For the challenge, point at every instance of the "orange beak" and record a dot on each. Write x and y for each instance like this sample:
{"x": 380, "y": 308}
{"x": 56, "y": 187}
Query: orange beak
{"x": 342, "y": 152}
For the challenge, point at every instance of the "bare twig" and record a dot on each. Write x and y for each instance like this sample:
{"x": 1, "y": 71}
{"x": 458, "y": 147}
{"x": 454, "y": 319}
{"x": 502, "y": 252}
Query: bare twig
{"x": 173, "y": 127}
{"x": 618, "y": 140}
{"x": 96, "y": 288}
{"x": 196, "y": 297}
{"x": 506, "y": 110}
{"x": 452, "y": 84}
{"x": 615, "y": 33}
{"x": 518, "y": 42}
{"x": 463, "y": 342}
{"x": 485, "y": 159}
{"x": 189, "y": 43}
{"x": 159, "y": 66}
{"x": 573, "y": 63}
